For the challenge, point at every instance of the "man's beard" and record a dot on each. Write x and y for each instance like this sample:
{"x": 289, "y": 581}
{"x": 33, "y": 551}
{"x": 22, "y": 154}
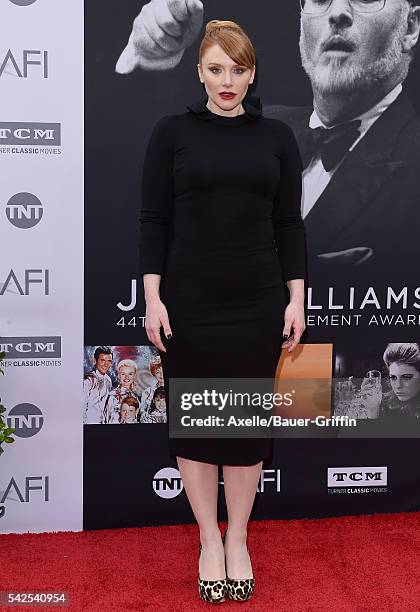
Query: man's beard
{"x": 347, "y": 77}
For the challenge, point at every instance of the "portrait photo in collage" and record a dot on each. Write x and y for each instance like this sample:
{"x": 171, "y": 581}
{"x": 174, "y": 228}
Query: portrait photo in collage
{"x": 123, "y": 385}
{"x": 385, "y": 381}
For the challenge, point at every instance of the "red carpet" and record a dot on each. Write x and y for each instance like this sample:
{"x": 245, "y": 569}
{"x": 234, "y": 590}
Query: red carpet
{"x": 346, "y": 564}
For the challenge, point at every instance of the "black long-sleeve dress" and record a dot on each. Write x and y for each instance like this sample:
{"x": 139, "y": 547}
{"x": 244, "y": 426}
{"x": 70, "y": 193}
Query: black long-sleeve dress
{"x": 221, "y": 223}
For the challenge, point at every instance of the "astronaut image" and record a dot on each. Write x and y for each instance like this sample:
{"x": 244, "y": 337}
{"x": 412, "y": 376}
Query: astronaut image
{"x": 148, "y": 393}
{"x": 127, "y": 371}
{"x": 129, "y": 410}
{"x": 97, "y": 386}
{"x": 124, "y": 385}
{"x": 157, "y": 410}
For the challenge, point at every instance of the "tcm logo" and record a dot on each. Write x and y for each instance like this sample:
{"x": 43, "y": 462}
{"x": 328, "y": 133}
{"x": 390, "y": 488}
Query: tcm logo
{"x": 22, "y": 283}
{"x": 30, "y": 133}
{"x": 24, "y": 64}
{"x": 22, "y": 2}
{"x": 28, "y": 489}
{"x": 357, "y": 476}
{"x": 26, "y": 419}
{"x": 31, "y": 347}
{"x": 24, "y": 210}
{"x": 167, "y": 483}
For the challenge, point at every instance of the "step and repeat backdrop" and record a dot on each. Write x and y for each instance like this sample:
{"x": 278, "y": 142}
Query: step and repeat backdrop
{"x": 41, "y": 263}
{"x": 362, "y": 223}
{"x": 361, "y": 347}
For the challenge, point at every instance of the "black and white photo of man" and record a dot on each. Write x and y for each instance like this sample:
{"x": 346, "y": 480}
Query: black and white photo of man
{"x": 360, "y": 140}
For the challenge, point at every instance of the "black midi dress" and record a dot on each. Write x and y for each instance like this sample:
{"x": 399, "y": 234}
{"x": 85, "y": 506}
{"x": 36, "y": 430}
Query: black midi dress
{"x": 221, "y": 223}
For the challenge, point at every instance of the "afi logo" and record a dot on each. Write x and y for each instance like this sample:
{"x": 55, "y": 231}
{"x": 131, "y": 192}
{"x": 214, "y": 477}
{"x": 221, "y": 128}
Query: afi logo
{"x": 272, "y": 477}
{"x": 30, "y": 62}
{"x": 269, "y": 479}
{"x": 23, "y": 284}
{"x": 167, "y": 483}
{"x": 25, "y": 492}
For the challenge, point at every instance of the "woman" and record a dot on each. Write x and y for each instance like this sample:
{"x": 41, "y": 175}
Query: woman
{"x": 403, "y": 362}
{"x": 221, "y": 235}
{"x": 127, "y": 370}
{"x": 147, "y": 393}
{"x": 157, "y": 410}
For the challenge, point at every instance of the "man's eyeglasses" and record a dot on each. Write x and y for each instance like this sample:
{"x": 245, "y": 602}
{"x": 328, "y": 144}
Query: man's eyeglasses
{"x": 318, "y": 7}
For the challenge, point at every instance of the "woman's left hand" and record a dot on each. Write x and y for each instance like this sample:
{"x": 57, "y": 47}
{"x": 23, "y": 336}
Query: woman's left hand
{"x": 294, "y": 318}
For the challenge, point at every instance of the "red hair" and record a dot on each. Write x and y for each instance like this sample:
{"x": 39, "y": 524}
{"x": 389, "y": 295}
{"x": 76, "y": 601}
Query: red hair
{"x": 231, "y": 38}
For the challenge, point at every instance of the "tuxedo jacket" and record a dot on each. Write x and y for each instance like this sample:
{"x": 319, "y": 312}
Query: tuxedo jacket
{"x": 365, "y": 226}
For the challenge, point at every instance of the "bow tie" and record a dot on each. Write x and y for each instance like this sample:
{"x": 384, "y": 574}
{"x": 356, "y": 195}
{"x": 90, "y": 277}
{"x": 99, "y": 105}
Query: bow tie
{"x": 330, "y": 143}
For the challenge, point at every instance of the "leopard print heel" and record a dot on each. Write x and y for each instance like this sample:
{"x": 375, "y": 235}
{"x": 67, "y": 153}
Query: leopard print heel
{"x": 212, "y": 591}
{"x": 239, "y": 589}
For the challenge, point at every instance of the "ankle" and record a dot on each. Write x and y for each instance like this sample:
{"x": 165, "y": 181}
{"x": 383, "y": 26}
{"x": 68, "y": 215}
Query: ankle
{"x": 236, "y": 536}
{"x": 210, "y": 537}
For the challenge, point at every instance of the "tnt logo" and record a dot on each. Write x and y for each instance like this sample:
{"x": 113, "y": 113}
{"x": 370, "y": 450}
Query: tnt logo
{"x": 22, "y": 2}
{"x": 167, "y": 483}
{"x": 24, "y": 210}
{"x": 26, "y": 419}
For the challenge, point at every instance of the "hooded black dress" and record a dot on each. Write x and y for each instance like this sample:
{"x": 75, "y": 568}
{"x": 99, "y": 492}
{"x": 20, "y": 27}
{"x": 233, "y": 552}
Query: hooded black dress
{"x": 221, "y": 223}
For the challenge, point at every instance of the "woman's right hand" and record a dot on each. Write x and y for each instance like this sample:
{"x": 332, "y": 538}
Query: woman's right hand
{"x": 157, "y": 317}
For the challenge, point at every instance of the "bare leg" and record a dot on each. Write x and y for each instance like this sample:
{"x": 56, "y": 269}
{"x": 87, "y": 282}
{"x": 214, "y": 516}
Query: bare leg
{"x": 201, "y": 486}
{"x": 240, "y": 487}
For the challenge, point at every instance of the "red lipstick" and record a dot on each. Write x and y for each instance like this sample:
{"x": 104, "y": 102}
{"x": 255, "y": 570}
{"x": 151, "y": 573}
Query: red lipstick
{"x": 227, "y": 95}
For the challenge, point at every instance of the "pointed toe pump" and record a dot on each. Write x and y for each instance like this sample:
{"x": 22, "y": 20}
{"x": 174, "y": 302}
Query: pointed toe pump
{"x": 212, "y": 591}
{"x": 239, "y": 589}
